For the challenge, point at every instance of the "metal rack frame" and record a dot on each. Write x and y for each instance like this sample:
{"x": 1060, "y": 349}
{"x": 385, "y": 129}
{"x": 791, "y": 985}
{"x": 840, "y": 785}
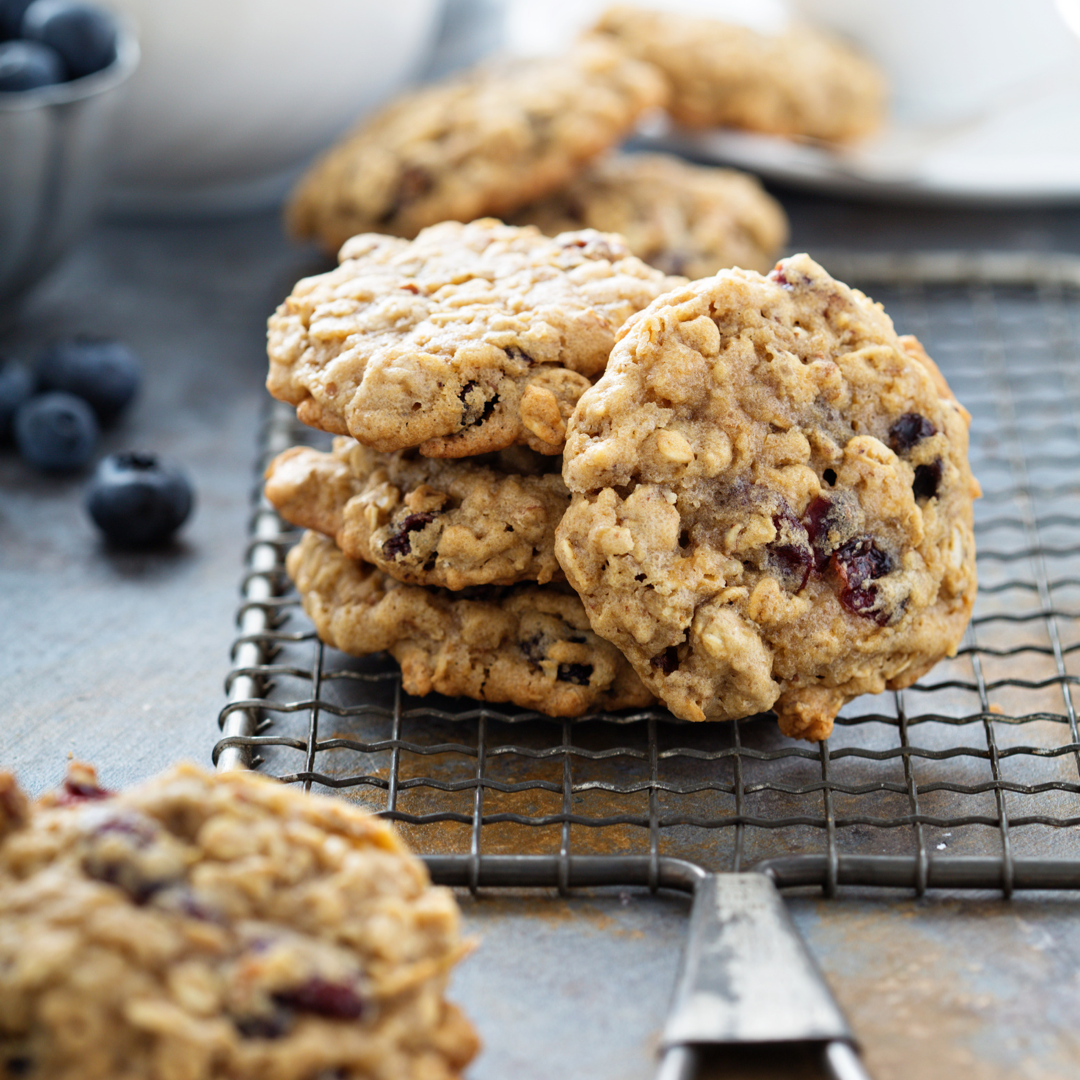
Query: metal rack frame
{"x": 727, "y": 783}
{"x": 981, "y": 756}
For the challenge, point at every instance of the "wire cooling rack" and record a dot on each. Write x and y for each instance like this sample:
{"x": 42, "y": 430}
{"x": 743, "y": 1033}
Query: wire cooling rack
{"x": 970, "y": 778}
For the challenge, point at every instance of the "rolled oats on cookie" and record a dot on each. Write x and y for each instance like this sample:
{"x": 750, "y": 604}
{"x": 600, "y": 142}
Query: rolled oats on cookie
{"x": 480, "y": 144}
{"x": 466, "y": 340}
{"x": 801, "y": 82}
{"x": 772, "y": 503}
{"x": 450, "y": 522}
{"x": 529, "y": 645}
{"x": 199, "y": 927}
{"x": 679, "y": 217}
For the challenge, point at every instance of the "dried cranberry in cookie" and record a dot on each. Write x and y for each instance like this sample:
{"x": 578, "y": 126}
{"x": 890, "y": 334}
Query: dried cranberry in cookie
{"x": 772, "y": 503}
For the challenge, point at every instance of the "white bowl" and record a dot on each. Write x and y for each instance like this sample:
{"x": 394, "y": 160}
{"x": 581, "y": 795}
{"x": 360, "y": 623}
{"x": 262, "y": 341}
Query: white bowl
{"x": 951, "y": 61}
{"x": 233, "y": 96}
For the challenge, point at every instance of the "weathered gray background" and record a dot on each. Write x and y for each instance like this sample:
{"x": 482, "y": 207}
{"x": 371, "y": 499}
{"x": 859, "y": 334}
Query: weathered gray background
{"x": 119, "y": 659}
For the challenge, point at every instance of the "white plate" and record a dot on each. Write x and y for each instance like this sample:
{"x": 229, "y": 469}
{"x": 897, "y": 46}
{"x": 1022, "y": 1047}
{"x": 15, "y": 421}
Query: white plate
{"x": 1026, "y": 150}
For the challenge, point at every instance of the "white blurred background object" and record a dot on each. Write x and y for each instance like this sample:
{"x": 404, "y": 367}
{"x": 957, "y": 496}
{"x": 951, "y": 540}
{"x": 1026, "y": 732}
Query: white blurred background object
{"x": 985, "y": 99}
{"x": 234, "y": 95}
{"x": 541, "y": 27}
{"x": 950, "y": 59}
{"x": 1069, "y": 10}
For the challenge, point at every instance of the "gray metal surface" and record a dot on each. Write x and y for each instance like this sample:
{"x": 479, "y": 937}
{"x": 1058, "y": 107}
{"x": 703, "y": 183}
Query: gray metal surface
{"x": 55, "y": 153}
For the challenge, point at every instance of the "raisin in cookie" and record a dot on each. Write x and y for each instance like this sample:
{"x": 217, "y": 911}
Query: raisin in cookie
{"x": 528, "y": 644}
{"x": 772, "y": 504}
{"x": 802, "y": 82}
{"x": 481, "y": 144}
{"x": 201, "y": 927}
{"x": 466, "y": 340}
{"x": 428, "y": 521}
{"x": 681, "y": 218}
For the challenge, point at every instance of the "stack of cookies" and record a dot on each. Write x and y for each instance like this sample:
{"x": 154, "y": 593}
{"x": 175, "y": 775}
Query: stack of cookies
{"x": 567, "y": 481}
{"x": 450, "y": 365}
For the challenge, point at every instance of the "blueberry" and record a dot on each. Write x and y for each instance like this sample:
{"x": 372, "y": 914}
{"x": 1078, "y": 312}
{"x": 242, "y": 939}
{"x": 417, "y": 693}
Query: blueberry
{"x": 84, "y": 36}
{"x": 26, "y": 65}
{"x": 105, "y": 374}
{"x": 56, "y": 432}
{"x": 16, "y": 386}
{"x": 137, "y": 500}
{"x": 11, "y": 17}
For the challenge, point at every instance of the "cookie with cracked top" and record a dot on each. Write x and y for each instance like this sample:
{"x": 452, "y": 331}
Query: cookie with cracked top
{"x": 530, "y": 645}
{"x": 466, "y": 340}
{"x": 802, "y": 82}
{"x": 207, "y": 926}
{"x": 679, "y": 217}
{"x": 428, "y": 521}
{"x": 480, "y": 144}
{"x": 772, "y": 503}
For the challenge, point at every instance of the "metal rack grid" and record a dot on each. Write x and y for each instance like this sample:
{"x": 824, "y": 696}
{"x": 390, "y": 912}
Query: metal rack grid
{"x": 970, "y": 778}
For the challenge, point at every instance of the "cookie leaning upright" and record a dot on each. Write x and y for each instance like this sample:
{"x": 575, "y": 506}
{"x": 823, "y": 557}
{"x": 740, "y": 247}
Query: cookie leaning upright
{"x": 204, "y": 926}
{"x": 466, "y": 340}
{"x": 480, "y": 144}
{"x": 772, "y": 503}
{"x": 801, "y": 82}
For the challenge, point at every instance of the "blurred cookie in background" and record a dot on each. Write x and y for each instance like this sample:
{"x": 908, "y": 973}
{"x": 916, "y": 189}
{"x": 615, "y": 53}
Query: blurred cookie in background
{"x": 481, "y": 144}
{"x": 681, "y": 218}
{"x": 802, "y": 82}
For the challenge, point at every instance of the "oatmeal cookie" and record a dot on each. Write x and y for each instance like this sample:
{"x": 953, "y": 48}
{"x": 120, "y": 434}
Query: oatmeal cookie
{"x": 772, "y": 503}
{"x": 681, "y": 218}
{"x": 428, "y": 521}
{"x": 466, "y": 340}
{"x": 802, "y": 82}
{"x": 481, "y": 144}
{"x": 527, "y": 644}
{"x": 201, "y": 927}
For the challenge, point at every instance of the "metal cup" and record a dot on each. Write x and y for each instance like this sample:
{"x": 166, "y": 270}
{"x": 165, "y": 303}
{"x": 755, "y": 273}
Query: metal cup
{"x": 55, "y": 151}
